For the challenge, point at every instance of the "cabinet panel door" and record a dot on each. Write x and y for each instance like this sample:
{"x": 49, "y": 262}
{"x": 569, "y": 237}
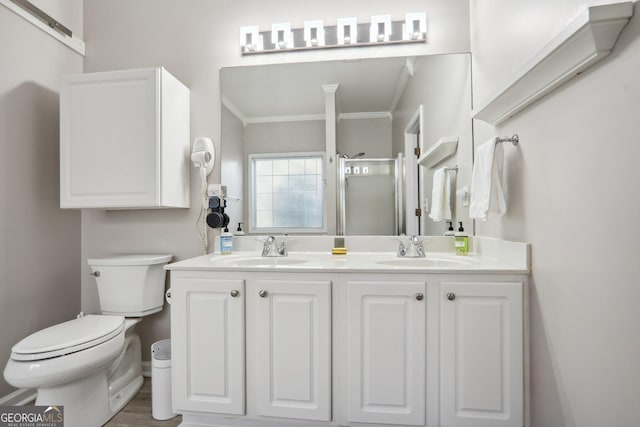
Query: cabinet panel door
{"x": 482, "y": 354}
{"x": 207, "y": 332}
{"x": 109, "y": 127}
{"x": 293, "y": 342}
{"x": 386, "y": 361}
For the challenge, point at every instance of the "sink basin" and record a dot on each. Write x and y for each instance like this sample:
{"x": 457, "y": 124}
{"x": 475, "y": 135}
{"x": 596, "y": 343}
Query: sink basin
{"x": 259, "y": 261}
{"x": 428, "y": 262}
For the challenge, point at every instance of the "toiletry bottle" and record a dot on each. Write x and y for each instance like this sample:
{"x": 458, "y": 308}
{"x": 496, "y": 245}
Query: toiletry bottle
{"x": 226, "y": 242}
{"x": 450, "y": 231}
{"x": 461, "y": 241}
{"x": 239, "y": 231}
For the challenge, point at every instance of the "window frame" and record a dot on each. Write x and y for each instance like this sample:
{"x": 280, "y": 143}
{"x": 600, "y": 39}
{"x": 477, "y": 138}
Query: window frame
{"x": 251, "y": 188}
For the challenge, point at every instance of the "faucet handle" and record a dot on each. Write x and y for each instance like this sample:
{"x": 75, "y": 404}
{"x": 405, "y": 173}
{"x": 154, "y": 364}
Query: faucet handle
{"x": 402, "y": 250}
{"x": 415, "y": 240}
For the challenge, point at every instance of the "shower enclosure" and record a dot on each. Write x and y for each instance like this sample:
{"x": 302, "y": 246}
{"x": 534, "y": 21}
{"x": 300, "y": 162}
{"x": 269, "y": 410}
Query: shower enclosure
{"x": 370, "y": 196}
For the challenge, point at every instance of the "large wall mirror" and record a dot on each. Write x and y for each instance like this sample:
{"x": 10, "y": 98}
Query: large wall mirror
{"x": 281, "y": 177}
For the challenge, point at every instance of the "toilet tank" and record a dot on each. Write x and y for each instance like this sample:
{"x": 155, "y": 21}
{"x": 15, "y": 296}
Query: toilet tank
{"x": 130, "y": 285}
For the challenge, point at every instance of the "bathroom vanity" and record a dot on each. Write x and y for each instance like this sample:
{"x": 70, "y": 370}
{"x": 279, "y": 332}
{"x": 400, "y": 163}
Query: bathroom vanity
{"x": 365, "y": 338}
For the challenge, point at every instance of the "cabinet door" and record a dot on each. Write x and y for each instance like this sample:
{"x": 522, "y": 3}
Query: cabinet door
{"x": 386, "y": 361}
{"x": 293, "y": 348}
{"x": 109, "y": 130}
{"x": 207, "y": 332}
{"x": 482, "y": 355}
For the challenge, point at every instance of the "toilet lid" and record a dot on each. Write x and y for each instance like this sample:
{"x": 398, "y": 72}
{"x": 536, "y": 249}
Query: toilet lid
{"x": 68, "y": 337}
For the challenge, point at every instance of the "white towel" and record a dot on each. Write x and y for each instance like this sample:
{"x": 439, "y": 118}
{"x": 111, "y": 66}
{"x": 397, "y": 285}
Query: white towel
{"x": 440, "y": 196}
{"x": 487, "y": 198}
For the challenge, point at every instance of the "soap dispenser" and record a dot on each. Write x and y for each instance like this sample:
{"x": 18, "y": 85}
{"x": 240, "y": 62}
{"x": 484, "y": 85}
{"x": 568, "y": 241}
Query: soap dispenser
{"x": 239, "y": 231}
{"x": 450, "y": 231}
{"x": 226, "y": 242}
{"x": 461, "y": 241}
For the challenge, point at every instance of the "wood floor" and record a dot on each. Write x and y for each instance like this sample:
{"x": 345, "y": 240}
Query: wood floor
{"x": 138, "y": 412}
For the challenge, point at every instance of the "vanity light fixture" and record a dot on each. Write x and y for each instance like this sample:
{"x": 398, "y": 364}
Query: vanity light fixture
{"x": 250, "y": 39}
{"x": 281, "y": 35}
{"x": 415, "y": 26}
{"x": 347, "y": 31}
{"x": 380, "y": 28}
{"x": 314, "y": 33}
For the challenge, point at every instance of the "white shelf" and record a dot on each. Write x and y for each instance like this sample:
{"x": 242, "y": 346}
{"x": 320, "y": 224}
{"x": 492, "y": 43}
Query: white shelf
{"x": 73, "y": 42}
{"x": 444, "y": 148}
{"x": 585, "y": 41}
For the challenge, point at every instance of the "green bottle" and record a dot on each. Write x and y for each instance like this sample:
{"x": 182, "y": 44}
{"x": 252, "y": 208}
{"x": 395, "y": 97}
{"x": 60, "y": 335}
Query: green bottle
{"x": 461, "y": 241}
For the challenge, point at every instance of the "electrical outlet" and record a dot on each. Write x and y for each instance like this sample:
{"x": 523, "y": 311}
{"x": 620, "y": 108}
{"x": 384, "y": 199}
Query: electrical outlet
{"x": 365, "y": 169}
{"x": 356, "y": 170}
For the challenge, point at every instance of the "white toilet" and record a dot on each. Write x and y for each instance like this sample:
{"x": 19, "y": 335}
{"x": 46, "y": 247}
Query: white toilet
{"x": 92, "y": 365}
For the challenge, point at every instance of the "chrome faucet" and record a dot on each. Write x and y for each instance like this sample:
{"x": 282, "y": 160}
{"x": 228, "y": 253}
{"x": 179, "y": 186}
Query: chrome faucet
{"x": 272, "y": 249}
{"x": 414, "y": 249}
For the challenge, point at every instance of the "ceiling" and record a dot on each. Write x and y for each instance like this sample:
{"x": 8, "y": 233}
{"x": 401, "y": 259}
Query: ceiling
{"x": 296, "y": 89}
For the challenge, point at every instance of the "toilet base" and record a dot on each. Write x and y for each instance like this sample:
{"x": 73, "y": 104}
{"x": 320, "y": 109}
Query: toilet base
{"x": 85, "y": 401}
{"x": 96, "y": 398}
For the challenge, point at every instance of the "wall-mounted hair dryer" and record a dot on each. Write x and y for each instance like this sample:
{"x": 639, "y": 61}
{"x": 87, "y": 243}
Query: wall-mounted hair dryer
{"x": 203, "y": 156}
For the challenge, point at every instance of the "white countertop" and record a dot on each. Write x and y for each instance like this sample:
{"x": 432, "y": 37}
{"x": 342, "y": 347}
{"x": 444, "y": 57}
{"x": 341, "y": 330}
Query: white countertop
{"x": 373, "y": 262}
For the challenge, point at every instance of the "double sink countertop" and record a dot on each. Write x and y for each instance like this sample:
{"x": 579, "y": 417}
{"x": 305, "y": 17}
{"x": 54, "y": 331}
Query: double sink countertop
{"x": 374, "y": 254}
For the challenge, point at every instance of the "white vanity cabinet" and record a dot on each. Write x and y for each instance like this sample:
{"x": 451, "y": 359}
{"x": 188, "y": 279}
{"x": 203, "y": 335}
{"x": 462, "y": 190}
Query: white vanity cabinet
{"x": 287, "y": 322}
{"x": 207, "y": 333}
{"x": 124, "y": 140}
{"x": 482, "y": 354}
{"x": 289, "y": 347}
{"x": 348, "y": 348}
{"x": 386, "y": 333}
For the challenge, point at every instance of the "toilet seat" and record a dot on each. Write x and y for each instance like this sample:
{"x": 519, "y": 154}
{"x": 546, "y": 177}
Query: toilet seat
{"x": 68, "y": 337}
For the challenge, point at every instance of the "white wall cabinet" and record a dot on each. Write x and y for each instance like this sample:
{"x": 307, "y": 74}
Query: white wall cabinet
{"x": 124, "y": 140}
{"x": 481, "y": 363}
{"x": 348, "y": 349}
{"x": 292, "y": 354}
{"x": 207, "y": 333}
{"x": 386, "y": 361}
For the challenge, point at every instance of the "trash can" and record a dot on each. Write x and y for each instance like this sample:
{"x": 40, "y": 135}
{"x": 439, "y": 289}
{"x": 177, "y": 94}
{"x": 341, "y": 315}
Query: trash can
{"x": 161, "y": 380}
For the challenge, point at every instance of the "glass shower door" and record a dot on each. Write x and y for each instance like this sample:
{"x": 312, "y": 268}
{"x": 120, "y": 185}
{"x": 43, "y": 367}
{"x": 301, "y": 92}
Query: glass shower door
{"x": 368, "y": 197}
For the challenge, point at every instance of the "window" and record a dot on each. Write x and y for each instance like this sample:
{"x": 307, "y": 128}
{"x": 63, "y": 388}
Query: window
{"x": 287, "y": 192}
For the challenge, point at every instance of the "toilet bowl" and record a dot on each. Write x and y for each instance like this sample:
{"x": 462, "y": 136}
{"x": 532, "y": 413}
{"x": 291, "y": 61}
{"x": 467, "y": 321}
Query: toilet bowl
{"x": 92, "y": 365}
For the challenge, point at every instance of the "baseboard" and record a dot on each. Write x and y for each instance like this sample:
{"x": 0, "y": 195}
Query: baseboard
{"x": 146, "y": 369}
{"x": 20, "y": 397}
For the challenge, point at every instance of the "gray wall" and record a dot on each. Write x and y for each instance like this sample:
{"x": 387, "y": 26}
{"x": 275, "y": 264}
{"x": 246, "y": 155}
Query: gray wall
{"x": 39, "y": 242}
{"x": 571, "y": 192}
{"x": 369, "y": 136}
{"x": 232, "y": 141}
{"x": 442, "y": 84}
{"x": 128, "y": 34}
{"x": 284, "y": 137}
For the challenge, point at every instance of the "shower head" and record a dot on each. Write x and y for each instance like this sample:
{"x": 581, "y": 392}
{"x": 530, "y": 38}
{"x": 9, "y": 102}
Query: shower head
{"x": 346, "y": 156}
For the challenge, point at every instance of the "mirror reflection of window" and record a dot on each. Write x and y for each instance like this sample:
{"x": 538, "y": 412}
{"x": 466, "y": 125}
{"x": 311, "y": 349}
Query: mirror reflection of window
{"x": 287, "y": 190}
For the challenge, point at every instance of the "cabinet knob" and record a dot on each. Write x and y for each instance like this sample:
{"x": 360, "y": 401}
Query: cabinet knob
{"x": 451, "y": 296}
{"x": 235, "y": 293}
{"x": 419, "y": 296}
{"x": 262, "y": 293}
{"x": 96, "y": 274}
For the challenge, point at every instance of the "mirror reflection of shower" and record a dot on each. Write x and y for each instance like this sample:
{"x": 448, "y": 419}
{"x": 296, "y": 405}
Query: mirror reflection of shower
{"x": 369, "y": 196}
